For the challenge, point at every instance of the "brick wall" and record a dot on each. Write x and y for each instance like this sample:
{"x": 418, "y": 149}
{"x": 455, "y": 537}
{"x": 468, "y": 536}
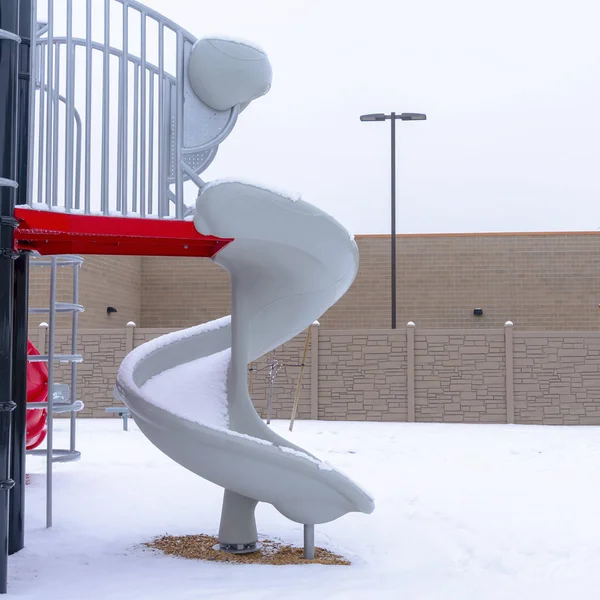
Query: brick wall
{"x": 181, "y": 292}
{"x": 103, "y": 281}
{"x": 410, "y": 374}
{"x": 539, "y": 281}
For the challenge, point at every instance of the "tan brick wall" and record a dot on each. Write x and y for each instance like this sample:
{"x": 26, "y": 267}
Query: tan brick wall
{"x": 539, "y": 281}
{"x": 459, "y": 375}
{"x": 181, "y": 292}
{"x": 103, "y": 281}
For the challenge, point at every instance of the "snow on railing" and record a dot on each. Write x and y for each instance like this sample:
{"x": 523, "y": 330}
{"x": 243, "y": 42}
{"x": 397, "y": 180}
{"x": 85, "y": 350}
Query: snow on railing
{"x": 111, "y": 99}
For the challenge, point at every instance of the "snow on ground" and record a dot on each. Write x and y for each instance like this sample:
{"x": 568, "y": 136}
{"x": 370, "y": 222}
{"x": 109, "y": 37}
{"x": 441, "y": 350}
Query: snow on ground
{"x": 463, "y": 512}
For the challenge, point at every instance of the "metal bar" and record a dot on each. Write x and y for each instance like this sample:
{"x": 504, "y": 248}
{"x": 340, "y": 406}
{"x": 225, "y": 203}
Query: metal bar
{"x": 9, "y": 53}
{"x": 142, "y": 208}
{"x": 179, "y": 128}
{"x": 64, "y": 260}
{"x": 58, "y": 408}
{"x": 50, "y": 413}
{"x": 49, "y": 114}
{"x": 74, "y": 328}
{"x": 162, "y": 160}
{"x": 69, "y": 116}
{"x": 125, "y": 113}
{"x": 78, "y": 162}
{"x": 134, "y": 177}
{"x": 105, "y": 111}
{"x": 57, "y": 358}
{"x": 60, "y": 308}
{"x": 393, "y": 183}
{"x": 134, "y": 60}
{"x": 31, "y": 5}
{"x": 121, "y": 123}
{"x": 151, "y": 144}
{"x": 197, "y": 180}
{"x": 309, "y": 542}
{"x": 55, "y": 122}
{"x": 41, "y": 128}
{"x": 88, "y": 107}
{"x": 16, "y": 529}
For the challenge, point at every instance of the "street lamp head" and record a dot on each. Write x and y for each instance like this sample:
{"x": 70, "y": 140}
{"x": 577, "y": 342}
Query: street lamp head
{"x": 373, "y": 117}
{"x": 413, "y": 117}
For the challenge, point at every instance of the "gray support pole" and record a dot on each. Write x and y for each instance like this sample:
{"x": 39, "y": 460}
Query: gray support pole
{"x": 50, "y": 417}
{"x": 73, "y": 424}
{"x": 237, "y": 531}
{"x": 309, "y": 542}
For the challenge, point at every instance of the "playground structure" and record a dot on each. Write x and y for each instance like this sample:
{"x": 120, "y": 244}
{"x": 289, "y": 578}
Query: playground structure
{"x": 111, "y": 138}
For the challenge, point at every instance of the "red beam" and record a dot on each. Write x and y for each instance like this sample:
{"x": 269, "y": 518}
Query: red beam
{"x": 51, "y": 232}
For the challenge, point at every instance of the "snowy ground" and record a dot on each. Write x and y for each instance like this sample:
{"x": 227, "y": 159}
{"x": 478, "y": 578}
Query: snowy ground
{"x": 462, "y": 513}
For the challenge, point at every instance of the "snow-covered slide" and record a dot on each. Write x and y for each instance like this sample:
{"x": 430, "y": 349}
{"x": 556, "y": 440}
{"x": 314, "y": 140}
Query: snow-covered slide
{"x": 187, "y": 391}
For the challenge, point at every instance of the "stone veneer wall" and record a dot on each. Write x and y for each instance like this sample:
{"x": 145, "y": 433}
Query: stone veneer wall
{"x": 472, "y": 376}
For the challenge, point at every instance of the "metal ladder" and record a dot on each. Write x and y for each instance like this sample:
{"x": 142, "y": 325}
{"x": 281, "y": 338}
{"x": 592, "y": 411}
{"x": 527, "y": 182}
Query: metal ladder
{"x": 66, "y": 395}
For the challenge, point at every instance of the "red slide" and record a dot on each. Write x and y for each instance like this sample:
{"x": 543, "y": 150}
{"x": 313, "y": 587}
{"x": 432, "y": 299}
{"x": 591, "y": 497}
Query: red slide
{"x": 37, "y": 391}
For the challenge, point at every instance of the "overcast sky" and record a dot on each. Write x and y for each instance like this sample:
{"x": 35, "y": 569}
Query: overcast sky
{"x": 511, "y": 89}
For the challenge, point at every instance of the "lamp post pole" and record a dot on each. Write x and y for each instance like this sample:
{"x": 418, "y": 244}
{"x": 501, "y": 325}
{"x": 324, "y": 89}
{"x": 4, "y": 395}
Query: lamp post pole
{"x": 393, "y": 117}
{"x": 393, "y": 196}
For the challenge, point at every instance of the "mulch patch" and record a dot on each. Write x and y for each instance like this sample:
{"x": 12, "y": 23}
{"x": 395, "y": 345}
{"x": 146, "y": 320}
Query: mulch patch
{"x": 200, "y": 547}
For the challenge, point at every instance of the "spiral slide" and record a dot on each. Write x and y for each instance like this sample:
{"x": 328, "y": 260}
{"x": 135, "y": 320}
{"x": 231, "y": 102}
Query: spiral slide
{"x": 187, "y": 391}
{"x": 37, "y": 391}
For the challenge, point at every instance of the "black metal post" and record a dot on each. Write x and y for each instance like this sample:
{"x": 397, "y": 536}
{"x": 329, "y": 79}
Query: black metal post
{"x": 16, "y": 529}
{"x": 9, "y": 47}
{"x": 393, "y": 122}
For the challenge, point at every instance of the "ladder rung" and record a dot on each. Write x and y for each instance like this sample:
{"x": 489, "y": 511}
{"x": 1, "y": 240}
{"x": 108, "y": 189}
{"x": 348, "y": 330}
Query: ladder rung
{"x": 59, "y": 308}
{"x": 72, "y": 358}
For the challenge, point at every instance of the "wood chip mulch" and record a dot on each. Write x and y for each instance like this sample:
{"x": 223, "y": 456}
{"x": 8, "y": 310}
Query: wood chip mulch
{"x": 200, "y": 547}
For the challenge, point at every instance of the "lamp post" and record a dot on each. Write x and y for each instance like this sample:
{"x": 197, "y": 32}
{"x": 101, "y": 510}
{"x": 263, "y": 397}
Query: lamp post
{"x": 393, "y": 117}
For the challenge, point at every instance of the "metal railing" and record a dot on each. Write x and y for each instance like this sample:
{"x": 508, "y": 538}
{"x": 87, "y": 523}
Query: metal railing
{"x": 111, "y": 93}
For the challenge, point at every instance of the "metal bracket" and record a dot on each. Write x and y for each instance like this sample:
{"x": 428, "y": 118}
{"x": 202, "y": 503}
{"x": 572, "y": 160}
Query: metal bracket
{"x": 11, "y": 221}
{"x": 9, "y": 35}
{"x": 9, "y": 253}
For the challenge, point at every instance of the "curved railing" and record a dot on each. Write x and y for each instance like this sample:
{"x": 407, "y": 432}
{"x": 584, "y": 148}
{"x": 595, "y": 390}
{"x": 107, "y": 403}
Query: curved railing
{"x": 117, "y": 70}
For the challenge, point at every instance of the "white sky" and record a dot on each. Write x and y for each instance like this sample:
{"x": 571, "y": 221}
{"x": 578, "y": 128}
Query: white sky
{"x": 511, "y": 89}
